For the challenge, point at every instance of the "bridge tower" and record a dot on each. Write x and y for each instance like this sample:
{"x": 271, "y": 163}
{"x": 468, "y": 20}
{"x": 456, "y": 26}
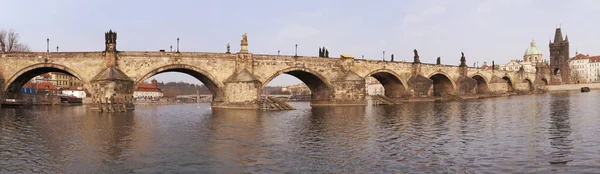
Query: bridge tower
{"x": 112, "y": 90}
{"x": 559, "y": 59}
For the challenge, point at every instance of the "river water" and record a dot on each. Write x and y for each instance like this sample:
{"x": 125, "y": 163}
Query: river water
{"x": 553, "y": 132}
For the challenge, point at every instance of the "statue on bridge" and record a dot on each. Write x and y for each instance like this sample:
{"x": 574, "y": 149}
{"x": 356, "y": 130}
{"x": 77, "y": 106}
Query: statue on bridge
{"x": 439, "y": 61}
{"x": 228, "y": 48}
{"x": 493, "y": 65}
{"x": 244, "y": 39}
{"x": 416, "y": 58}
{"x": 244, "y": 44}
{"x": 463, "y": 60}
{"x": 392, "y": 57}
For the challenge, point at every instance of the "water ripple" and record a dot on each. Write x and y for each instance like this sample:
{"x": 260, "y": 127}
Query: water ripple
{"x": 524, "y": 134}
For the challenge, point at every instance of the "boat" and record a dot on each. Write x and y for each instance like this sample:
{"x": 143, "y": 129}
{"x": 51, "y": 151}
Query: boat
{"x": 585, "y": 89}
{"x": 12, "y": 103}
{"x": 70, "y": 100}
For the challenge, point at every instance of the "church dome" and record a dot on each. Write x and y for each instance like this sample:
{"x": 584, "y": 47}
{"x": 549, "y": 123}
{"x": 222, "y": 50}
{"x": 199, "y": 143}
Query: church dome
{"x": 532, "y": 50}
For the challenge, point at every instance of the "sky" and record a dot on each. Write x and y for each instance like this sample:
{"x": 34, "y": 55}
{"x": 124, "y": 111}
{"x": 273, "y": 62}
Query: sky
{"x": 485, "y": 30}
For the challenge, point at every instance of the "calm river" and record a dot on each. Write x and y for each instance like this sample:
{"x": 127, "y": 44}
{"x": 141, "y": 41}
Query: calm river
{"x": 557, "y": 132}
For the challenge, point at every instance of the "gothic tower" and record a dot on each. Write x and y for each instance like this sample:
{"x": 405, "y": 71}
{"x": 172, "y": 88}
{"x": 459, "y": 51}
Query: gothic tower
{"x": 559, "y": 58}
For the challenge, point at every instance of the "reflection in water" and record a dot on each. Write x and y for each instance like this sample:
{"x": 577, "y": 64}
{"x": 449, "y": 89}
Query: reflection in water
{"x": 528, "y": 134}
{"x": 560, "y": 129}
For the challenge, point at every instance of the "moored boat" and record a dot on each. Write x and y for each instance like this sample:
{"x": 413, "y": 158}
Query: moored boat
{"x": 585, "y": 89}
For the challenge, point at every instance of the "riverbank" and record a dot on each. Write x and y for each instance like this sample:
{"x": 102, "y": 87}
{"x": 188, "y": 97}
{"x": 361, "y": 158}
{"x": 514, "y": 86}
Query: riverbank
{"x": 162, "y": 103}
{"x": 572, "y": 87}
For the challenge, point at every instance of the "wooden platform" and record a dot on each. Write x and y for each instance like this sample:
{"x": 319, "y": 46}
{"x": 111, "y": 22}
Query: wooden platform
{"x": 272, "y": 104}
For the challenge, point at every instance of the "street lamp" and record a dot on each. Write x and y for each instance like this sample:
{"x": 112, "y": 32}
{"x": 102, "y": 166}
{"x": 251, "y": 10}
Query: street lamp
{"x": 171, "y": 48}
{"x": 384, "y": 56}
{"x": 178, "y": 44}
{"x": 57, "y": 49}
{"x": 278, "y": 51}
{"x": 48, "y": 45}
{"x": 296, "y": 54}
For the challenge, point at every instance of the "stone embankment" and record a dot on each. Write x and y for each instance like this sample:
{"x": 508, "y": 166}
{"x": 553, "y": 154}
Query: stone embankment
{"x": 572, "y": 87}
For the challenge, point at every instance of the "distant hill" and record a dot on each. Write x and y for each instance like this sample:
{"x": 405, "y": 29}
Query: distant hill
{"x": 171, "y": 89}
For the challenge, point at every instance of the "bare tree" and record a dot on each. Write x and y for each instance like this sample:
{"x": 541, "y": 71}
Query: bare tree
{"x": 10, "y": 42}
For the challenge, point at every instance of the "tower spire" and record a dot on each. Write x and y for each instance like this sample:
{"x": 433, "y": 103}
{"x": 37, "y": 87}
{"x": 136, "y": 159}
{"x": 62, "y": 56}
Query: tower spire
{"x": 558, "y": 36}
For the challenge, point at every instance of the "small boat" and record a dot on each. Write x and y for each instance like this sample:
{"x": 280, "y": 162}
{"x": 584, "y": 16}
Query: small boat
{"x": 585, "y": 89}
{"x": 70, "y": 100}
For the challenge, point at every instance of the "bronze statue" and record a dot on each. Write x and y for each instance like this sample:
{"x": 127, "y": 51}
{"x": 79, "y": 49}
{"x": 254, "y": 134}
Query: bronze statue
{"x": 439, "y": 61}
{"x": 416, "y": 58}
{"x": 228, "y": 47}
{"x": 392, "y": 57}
{"x": 463, "y": 60}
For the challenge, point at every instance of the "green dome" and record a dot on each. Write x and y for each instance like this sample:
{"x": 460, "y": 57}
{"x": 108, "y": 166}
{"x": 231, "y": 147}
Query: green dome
{"x": 532, "y": 50}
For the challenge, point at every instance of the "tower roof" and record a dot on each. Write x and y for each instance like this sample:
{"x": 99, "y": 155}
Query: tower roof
{"x": 532, "y": 50}
{"x": 558, "y": 36}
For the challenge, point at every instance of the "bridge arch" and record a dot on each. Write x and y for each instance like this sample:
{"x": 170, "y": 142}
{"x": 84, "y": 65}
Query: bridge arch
{"x": 318, "y": 85}
{"x": 206, "y": 78}
{"x": 529, "y": 84}
{"x": 442, "y": 84}
{"x": 510, "y": 87}
{"x": 482, "y": 83}
{"x": 392, "y": 85}
{"x": 16, "y": 81}
{"x": 544, "y": 80}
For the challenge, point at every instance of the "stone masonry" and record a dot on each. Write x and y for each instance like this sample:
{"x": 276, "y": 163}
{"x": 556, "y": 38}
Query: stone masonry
{"x": 236, "y": 79}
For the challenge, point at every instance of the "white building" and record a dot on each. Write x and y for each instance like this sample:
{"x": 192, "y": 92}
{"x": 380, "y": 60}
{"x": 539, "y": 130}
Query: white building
{"x": 148, "y": 90}
{"x": 374, "y": 87}
{"x": 515, "y": 65}
{"x": 532, "y": 56}
{"x": 79, "y": 93}
{"x": 585, "y": 68}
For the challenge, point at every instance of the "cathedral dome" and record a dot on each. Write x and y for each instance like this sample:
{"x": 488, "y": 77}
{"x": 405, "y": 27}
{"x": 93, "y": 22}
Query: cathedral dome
{"x": 532, "y": 50}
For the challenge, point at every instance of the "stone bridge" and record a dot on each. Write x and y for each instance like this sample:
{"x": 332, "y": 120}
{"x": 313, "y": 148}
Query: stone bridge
{"x": 236, "y": 79}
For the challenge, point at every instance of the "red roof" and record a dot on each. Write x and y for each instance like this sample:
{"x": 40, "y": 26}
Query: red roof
{"x": 43, "y": 86}
{"x": 148, "y": 88}
{"x": 587, "y": 56}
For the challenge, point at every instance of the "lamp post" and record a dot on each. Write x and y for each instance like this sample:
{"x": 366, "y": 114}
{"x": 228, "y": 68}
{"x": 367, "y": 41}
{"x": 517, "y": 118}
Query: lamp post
{"x": 384, "y": 56}
{"x": 296, "y": 54}
{"x": 57, "y": 48}
{"x": 178, "y": 44}
{"x": 278, "y": 51}
{"x": 48, "y": 45}
{"x": 171, "y": 48}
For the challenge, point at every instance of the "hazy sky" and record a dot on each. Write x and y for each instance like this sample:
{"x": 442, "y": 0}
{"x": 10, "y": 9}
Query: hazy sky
{"x": 497, "y": 30}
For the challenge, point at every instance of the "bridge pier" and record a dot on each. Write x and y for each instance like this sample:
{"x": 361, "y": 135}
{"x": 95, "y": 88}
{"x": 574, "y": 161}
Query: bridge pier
{"x": 241, "y": 91}
{"x": 112, "y": 91}
{"x": 347, "y": 89}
